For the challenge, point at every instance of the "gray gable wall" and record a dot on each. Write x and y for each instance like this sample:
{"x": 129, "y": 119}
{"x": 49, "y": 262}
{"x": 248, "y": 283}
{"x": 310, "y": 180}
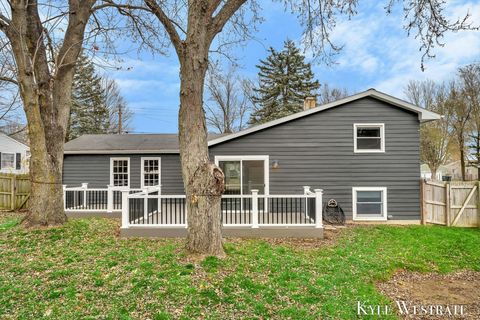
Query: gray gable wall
{"x": 316, "y": 150}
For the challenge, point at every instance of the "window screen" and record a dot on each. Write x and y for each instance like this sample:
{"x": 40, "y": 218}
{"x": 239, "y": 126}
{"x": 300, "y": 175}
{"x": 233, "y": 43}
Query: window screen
{"x": 369, "y": 138}
{"x": 370, "y": 203}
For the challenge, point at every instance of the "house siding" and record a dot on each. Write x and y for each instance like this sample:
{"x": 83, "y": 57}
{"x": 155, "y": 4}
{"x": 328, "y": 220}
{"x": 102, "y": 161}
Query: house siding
{"x": 316, "y": 150}
{"x": 95, "y": 169}
{"x": 9, "y": 145}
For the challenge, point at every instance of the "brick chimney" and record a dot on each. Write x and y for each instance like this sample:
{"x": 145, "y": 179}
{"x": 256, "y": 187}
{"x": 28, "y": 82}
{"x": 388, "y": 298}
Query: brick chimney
{"x": 309, "y": 103}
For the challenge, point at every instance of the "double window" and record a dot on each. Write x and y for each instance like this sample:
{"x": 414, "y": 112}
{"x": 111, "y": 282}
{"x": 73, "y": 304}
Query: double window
{"x": 150, "y": 171}
{"x": 369, "y": 203}
{"x": 244, "y": 173}
{"x": 120, "y": 172}
{"x": 369, "y": 137}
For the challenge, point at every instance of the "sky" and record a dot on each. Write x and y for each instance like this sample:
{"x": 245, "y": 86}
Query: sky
{"x": 377, "y": 53}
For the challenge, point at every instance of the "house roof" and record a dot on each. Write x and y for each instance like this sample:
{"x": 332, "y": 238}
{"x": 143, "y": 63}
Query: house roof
{"x": 423, "y": 114}
{"x": 168, "y": 143}
{"x": 125, "y": 143}
{"x": 6, "y": 136}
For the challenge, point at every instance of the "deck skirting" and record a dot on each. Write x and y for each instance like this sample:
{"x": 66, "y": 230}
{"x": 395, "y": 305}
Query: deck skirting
{"x": 93, "y": 214}
{"x": 241, "y": 232}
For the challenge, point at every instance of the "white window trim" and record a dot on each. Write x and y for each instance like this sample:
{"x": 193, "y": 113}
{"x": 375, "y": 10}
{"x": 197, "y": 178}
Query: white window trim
{"x": 111, "y": 171}
{"x": 142, "y": 159}
{"x": 370, "y": 125}
{"x": 384, "y": 203}
{"x": 14, "y": 166}
{"x": 266, "y": 164}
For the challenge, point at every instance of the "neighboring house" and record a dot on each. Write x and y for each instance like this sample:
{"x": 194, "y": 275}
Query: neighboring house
{"x": 362, "y": 150}
{"x": 14, "y": 155}
{"x": 425, "y": 172}
{"x": 454, "y": 169}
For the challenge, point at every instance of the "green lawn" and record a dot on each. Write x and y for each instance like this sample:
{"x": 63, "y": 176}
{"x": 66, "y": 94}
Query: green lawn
{"x": 83, "y": 270}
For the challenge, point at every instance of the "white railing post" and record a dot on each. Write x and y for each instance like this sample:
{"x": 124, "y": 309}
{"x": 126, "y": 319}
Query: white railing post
{"x": 145, "y": 204}
{"x": 85, "y": 187}
{"x": 125, "y": 208}
{"x": 254, "y": 208}
{"x": 318, "y": 208}
{"x": 109, "y": 198}
{"x": 159, "y": 200}
{"x": 306, "y": 190}
{"x": 64, "y": 197}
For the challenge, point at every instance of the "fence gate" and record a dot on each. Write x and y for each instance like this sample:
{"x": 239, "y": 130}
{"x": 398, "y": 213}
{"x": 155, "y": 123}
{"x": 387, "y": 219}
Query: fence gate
{"x": 451, "y": 204}
{"x": 14, "y": 191}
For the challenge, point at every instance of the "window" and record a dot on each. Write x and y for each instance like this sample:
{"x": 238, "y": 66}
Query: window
{"x": 8, "y": 160}
{"x": 150, "y": 172}
{"x": 369, "y": 203}
{"x": 244, "y": 173}
{"x": 369, "y": 137}
{"x": 120, "y": 172}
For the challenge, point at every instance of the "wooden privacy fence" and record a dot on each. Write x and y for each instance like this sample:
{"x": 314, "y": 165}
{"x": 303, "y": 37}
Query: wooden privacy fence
{"x": 451, "y": 204}
{"x": 14, "y": 191}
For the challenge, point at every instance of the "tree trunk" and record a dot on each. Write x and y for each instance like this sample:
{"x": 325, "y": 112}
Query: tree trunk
{"x": 47, "y": 135}
{"x": 46, "y": 97}
{"x": 462, "y": 157}
{"x": 203, "y": 180}
{"x": 46, "y": 195}
{"x": 434, "y": 173}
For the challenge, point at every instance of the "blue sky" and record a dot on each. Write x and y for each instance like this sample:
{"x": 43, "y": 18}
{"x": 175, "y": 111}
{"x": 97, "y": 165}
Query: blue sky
{"x": 377, "y": 54}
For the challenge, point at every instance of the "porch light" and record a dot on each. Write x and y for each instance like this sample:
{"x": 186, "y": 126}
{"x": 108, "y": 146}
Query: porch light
{"x": 275, "y": 164}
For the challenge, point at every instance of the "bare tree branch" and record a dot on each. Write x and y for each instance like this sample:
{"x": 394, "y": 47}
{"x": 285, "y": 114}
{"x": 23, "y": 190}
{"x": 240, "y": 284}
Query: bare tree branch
{"x": 225, "y": 13}
{"x": 8, "y": 79}
{"x": 168, "y": 24}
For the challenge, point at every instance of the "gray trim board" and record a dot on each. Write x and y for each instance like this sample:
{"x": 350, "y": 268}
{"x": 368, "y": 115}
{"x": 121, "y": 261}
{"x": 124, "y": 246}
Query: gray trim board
{"x": 93, "y": 214}
{"x": 237, "y": 232}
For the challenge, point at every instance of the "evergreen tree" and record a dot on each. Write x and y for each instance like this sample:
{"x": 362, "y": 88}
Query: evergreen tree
{"x": 285, "y": 80}
{"x": 89, "y": 113}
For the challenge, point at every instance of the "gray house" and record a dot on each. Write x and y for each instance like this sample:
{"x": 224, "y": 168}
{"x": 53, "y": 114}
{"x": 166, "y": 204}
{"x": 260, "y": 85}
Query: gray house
{"x": 362, "y": 151}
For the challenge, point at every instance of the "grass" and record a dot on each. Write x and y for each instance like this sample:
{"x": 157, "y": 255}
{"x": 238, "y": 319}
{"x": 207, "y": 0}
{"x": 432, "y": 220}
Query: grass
{"x": 83, "y": 270}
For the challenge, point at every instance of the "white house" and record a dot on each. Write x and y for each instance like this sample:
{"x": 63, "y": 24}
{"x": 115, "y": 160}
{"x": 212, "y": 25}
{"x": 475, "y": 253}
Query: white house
{"x": 14, "y": 155}
{"x": 427, "y": 174}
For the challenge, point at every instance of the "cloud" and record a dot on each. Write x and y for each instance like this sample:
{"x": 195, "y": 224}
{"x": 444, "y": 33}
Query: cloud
{"x": 378, "y": 53}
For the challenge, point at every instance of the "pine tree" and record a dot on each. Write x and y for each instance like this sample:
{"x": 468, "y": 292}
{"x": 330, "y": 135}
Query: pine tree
{"x": 285, "y": 80}
{"x": 88, "y": 114}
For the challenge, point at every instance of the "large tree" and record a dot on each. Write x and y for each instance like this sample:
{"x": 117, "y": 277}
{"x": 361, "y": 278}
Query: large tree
{"x": 228, "y": 99}
{"x": 120, "y": 114}
{"x": 329, "y": 94}
{"x": 460, "y": 119}
{"x": 285, "y": 80}
{"x": 470, "y": 79}
{"x": 45, "y": 39}
{"x": 435, "y": 136}
{"x": 44, "y": 76}
{"x": 88, "y": 114}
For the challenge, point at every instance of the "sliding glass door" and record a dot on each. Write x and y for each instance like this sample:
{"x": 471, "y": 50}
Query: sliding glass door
{"x": 242, "y": 175}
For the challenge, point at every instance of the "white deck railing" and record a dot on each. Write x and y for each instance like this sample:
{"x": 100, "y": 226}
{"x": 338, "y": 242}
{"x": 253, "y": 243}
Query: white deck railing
{"x": 109, "y": 199}
{"x": 149, "y": 207}
{"x": 253, "y": 210}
